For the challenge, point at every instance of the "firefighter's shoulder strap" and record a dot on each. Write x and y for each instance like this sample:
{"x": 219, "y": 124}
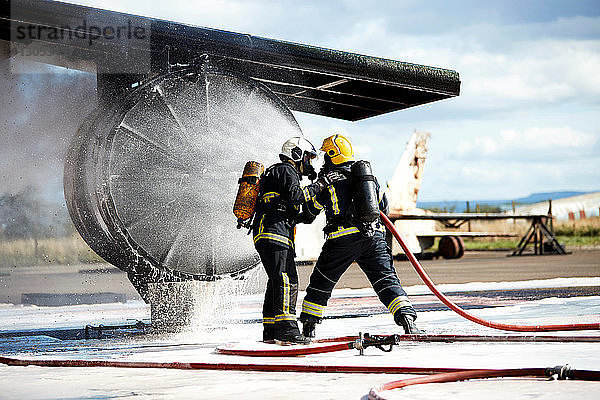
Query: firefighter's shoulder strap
{"x": 270, "y": 200}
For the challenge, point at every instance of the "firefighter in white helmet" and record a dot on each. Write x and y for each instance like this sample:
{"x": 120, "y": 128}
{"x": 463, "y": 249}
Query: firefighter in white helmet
{"x": 278, "y": 210}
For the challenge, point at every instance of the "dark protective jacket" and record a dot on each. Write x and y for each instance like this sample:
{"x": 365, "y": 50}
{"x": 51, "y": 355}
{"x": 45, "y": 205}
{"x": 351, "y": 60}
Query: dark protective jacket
{"x": 279, "y": 204}
{"x": 336, "y": 199}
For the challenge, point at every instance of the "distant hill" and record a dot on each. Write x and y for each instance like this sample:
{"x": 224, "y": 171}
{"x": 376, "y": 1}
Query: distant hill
{"x": 537, "y": 197}
{"x": 461, "y": 205}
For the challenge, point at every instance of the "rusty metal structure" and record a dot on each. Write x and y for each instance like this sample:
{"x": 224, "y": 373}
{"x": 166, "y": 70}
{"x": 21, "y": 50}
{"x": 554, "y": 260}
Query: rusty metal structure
{"x": 539, "y": 234}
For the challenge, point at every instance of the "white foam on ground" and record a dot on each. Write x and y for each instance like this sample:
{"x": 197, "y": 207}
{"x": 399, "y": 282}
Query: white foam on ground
{"x": 231, "y": 303}
{"x": 478, "y": 286}
{"x": 25, "y": 317}
{"x": 198, "y": 345}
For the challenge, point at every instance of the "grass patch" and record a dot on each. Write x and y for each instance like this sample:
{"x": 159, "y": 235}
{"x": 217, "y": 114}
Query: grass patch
{"x": 569, "y": 241}
{"x": 577, "y": 231}
{"x": 581, "y": 232}
{"x": 73, "y": 250}
{"x": 579, "y": 240}
{"x": 56, "y": 251}
{"x": 500, "y": 244}
{"x": 510, "y": 244}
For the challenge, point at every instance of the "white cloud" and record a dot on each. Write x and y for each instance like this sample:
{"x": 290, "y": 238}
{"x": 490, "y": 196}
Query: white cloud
{"x": 501, "y": 67}
{"x": 363, "y": 151}
{"x": 492, "y": 180}
{"x": 552, "y": 142}
{"x": 563, "y": 137}
{"x": 534, "y": 73}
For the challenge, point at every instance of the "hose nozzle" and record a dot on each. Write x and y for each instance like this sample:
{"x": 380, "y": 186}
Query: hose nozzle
{"x": 383, "y": 343}
{"x": 560, "y": 372}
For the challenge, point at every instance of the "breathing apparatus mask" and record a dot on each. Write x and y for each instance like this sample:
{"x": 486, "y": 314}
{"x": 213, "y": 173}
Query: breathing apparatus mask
{"x": 302, "y": 153}
{"x": 306, "y": 167}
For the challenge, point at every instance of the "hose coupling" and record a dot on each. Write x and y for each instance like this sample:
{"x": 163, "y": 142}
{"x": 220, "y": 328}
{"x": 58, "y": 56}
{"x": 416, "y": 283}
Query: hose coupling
{"x": 359, "y": 344}
{"x": 560, "y": 372}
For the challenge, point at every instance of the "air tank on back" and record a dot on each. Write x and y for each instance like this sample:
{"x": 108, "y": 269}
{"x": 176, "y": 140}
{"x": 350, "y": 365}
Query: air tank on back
{"x": 364, "y": 192}
{"x": 150, "y": 182}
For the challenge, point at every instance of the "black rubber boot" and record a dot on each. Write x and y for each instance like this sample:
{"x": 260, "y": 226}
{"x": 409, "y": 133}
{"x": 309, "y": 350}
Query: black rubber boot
{"x": 407, "y": 321}
{"x": 269, "y": 333}
{"x": 288, "y": 333}
{"x": 308, "y": 328}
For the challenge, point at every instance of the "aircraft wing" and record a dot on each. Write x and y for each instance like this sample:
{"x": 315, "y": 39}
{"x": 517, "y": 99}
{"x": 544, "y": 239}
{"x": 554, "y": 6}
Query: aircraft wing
{"x": 310, "y": 79}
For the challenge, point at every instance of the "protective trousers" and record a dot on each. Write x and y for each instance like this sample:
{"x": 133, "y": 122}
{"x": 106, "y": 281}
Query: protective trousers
{"x": 279, "y": 307}
{"x": 373, "y": 257}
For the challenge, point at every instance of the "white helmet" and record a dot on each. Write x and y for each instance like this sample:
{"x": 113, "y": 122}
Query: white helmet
{"x": 296, "y": 147}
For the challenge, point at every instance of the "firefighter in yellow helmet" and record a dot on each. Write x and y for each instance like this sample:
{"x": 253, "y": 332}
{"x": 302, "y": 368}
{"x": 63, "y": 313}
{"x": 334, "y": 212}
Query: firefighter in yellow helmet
{"x": 354, "y": 233}
{"x": 338, "y": 150}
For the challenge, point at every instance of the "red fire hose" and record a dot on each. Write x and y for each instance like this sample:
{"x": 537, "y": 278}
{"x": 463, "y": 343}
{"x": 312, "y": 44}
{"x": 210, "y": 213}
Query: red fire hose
{"x": 439, "y": 374}
{"x": 471, "y": 317}
{"x": 364, "y": 341}
{"x": 353, "y": 344}
{"x": 283, "y": 352}
{"x": 476, "y": 338}
{"x": 560, "y": 372}
{"x": 563, "y": 372}
{"x": 359, "y": 369}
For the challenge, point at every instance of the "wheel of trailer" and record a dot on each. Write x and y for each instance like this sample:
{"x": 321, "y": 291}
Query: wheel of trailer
{"x": 451, "y": 247}
{"x": 150, "y": 182}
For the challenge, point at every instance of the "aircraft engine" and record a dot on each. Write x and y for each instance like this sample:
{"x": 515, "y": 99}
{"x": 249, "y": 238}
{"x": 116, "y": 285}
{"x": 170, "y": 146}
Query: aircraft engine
{"x": 150, "y": 181}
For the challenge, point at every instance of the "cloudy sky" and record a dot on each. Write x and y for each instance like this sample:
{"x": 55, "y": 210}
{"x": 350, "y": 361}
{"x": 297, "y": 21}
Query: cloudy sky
{"x": 527, "y": 119}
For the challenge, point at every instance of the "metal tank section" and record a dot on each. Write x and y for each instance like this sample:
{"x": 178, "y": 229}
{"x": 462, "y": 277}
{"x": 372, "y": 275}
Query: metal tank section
{"x": 150, "y": 182}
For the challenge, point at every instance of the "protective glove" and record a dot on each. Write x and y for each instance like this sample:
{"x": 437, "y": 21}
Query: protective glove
{"x": 310, "y": 173}
{"x": 329, "y": 177}
{"x": 305, "y": 217}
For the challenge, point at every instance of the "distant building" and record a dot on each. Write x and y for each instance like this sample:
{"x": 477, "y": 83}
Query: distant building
{"x": 566, "y": 209}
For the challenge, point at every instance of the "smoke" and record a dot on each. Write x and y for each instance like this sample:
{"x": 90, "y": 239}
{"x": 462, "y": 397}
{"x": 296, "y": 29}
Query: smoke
{"x": 39, "y": 112}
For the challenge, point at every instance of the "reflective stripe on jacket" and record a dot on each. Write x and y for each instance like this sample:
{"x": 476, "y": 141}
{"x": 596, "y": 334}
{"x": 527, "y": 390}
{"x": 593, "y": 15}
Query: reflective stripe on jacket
{"x": 336, "y": 200}
{"x": 279, "y": 204}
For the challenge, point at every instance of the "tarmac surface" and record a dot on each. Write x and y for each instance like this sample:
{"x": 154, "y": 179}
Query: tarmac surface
{"x": 473, "y": 267}
{"x": 524, "y": 290}
{"x": 489, "y": 266}
{"x": 197, "y": 345}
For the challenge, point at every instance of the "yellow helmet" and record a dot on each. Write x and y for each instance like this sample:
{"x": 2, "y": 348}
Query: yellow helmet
{"x": 338, "y": 148}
